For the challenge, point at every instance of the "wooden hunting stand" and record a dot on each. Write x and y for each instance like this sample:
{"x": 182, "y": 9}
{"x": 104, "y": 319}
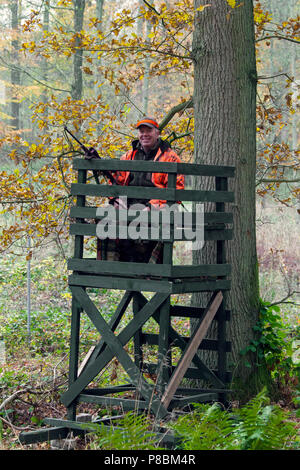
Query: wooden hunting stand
{"x": 157, "y": 386}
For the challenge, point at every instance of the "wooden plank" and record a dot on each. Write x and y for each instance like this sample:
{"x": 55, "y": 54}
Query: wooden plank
{"x": 205, "y": 170}
{"x": 125, "y": 403}
{"x": 121, "y": 283}
{"x": 192, "y": 312}
{"x": 99, "y": 190}
{"x": 43, "y": 435}
{"x": 125, "y": 165}
{"x": 168, "y": 287}
{"x": 191, "y": 349}
{"x": 203, "y": 196}
{"x": 209, "y": 217}
{"x": 206, "y": 344}
{"x": 162, "y": 167}
{"x": 93, "y": 266}
{"x": 74, "y": 350}
{"x": 109, "y": 390}
{"x": 209, "y": 233}
{"x": 196, "y": 285}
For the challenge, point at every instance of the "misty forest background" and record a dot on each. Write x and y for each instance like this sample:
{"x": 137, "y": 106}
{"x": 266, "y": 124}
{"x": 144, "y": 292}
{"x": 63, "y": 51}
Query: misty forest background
{"x": 97, "y": 66}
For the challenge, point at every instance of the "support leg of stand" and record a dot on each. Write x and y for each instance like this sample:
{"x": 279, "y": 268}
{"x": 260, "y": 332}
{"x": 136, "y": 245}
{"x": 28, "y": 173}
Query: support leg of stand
{"x": 74, "y": 350}
{"x": 164, "y": 353}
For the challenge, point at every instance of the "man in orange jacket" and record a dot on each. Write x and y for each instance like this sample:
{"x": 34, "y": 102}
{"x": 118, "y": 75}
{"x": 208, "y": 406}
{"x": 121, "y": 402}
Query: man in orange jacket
{"x": 148, "y": 147}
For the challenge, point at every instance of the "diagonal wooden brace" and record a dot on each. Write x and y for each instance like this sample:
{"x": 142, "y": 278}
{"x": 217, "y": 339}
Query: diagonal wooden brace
{"x": 191, "y": 348}
{"x": 115, "y": 348}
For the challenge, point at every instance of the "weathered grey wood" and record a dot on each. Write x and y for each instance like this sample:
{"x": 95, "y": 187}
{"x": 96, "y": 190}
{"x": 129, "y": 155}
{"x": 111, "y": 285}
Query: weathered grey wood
{"x": 191, "y": 350}
{"x": 162, "y": 167}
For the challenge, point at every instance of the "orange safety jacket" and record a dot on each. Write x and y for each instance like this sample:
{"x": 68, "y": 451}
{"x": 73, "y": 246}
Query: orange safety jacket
{"x": 160, "y": 180}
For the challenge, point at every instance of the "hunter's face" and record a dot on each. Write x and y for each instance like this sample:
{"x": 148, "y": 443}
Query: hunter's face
{"x": 148, "y": 136}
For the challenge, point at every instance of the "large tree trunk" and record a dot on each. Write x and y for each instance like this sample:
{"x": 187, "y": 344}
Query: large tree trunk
{"x": 225, "y": 134}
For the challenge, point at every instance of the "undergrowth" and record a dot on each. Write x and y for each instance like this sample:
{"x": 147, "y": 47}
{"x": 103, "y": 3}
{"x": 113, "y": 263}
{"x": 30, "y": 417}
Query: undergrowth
{"x": 258, "y": 425}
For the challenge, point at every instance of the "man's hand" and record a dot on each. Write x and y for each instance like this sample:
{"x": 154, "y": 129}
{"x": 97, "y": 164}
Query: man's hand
{"x": 91, "y": 153}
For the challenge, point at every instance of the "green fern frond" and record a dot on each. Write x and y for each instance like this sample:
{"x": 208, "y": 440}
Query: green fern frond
{"x": 132, "y": 433}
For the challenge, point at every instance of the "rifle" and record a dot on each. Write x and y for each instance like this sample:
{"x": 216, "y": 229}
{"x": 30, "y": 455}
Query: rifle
{"x": 91, "y": 153}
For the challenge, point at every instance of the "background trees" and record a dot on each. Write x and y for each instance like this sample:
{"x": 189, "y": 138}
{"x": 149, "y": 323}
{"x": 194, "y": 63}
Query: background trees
{"x": 97, "y": 66}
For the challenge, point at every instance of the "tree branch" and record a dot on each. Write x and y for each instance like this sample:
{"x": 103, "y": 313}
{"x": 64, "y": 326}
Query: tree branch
{"x": 275, "y": 180}
{"x": 275, "y": 36}
{"x": 176, "y": 109}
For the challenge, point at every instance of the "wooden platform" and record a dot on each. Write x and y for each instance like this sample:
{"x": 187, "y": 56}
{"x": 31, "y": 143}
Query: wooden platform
{"x": 153, "y": 386}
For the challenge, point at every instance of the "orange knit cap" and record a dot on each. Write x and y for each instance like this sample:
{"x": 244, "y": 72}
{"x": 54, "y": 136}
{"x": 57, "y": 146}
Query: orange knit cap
{"x": 147, "y": 121}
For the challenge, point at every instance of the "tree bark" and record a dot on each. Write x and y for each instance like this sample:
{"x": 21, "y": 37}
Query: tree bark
{"x": 77, "y": 86}
{"x": 225, "y": 134}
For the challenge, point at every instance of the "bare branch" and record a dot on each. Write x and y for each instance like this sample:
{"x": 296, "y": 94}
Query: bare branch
{"x": 275, "y": 180}
{"x": 275, "y": 36}
{"x": 176, "y": 109}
